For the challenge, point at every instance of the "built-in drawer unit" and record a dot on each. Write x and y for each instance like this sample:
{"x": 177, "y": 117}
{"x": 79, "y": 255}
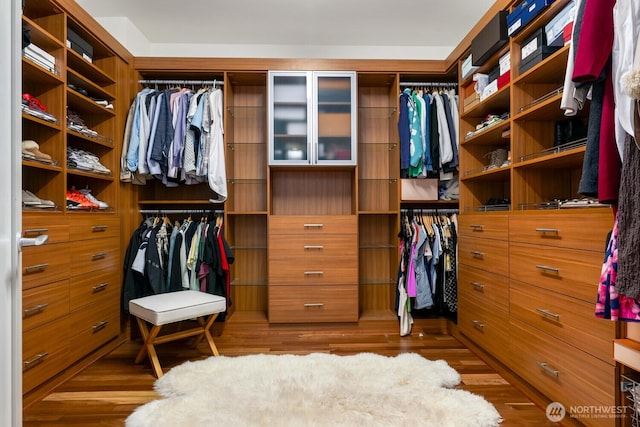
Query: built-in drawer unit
{"x": 329, "y": 303}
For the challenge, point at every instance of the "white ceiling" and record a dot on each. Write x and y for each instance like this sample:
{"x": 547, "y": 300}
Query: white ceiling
{"x": 375, "y": 29}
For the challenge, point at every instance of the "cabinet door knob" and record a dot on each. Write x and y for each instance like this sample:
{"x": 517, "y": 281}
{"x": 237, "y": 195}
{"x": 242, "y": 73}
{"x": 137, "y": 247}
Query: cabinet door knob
{"x": 477, "y": 324}
{"x": 477, "y": 286}
{"x": 314, "y": 304}
{"x": 313, "y": 247}
{"x": 477, "y": 227}
{"x": 477, "y": 254}
{"x": 314, "y": 225}
{"x": 100, "y": 326}
{"x": 547, "y": 230}
{"x": 99, "y": 228}
{"x": 313, "y": 273}
{"x": 99, "y": 255}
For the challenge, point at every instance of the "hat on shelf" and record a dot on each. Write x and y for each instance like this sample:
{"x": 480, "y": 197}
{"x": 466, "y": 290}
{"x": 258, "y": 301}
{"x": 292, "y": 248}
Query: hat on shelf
{"x": 31, "y": 150}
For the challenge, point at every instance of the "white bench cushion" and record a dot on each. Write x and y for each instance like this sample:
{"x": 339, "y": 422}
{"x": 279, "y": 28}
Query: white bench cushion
{"x": 161, "y": 309}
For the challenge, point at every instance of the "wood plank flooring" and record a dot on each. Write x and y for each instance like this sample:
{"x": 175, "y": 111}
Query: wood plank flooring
{"x": 105, "y": 393}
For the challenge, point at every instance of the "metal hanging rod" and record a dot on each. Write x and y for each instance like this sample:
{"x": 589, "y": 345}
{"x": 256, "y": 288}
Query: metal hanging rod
{"x": 432, "y": 84}
{"x": 182, "y": 82}
{"x": 429, "y": 211}
{"x": 179, "y": 211}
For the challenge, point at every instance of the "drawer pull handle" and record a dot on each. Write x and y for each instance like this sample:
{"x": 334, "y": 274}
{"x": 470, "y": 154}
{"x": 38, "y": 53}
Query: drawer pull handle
{"x": 477, "y": 324}
{"x": 37, "y": 359}
{"x": 99, "y": 326}
{"x": 313, "y": 273}
{"x": 99, "y": 228}
{"x": 548, "y": 313}
{"x": 314, "y": 225}
{"x": 547, "y": 230}
{"x": 477, "y": 254}
{"x": 34, "y": 310}
{"x": 36, "y": 231}
{"x": 98, "y": 256}
{"x": 547, "y": 369}
{"x": 314, "y": 304}
{"x": 477, "y": 286}
{"x": 477, "y": 227}
{"x": 100, "y": 287}
{"x": 313, "y": 247}
{"x": 547, "y": 268}
{"x": 34, "y": 268}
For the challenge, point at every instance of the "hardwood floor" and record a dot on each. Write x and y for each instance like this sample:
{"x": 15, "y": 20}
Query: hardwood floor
{"x": 105, "y": 393}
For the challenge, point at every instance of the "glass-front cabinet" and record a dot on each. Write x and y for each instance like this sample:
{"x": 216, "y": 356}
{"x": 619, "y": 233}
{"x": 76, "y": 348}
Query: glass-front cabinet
{"x": 312, "y": 118}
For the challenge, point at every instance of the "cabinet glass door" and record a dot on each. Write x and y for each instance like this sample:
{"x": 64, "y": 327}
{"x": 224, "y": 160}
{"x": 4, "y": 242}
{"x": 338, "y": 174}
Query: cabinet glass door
{"x": 289, "y": 133}
{"x": 335, "y": 124}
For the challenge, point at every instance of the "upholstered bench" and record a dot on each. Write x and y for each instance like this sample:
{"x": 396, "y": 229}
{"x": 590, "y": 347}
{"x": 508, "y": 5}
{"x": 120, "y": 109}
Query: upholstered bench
{"x": 172, "y": 307}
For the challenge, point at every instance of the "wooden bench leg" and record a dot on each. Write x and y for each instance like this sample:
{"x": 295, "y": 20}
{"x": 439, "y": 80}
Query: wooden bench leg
{"x": 148, "y": 346}
{"x": 206, "y": 334}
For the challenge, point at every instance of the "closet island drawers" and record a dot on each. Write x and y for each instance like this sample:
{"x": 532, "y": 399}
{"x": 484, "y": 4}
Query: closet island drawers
{"x": 490, "y": 226}
{"x": 485, "y": 254}
{"x": 562, "y": 372}
{"x": 44, "y": 352}
{"x": 91, "y": 327}
{"x": 313, "y": 268}
{"x": 45, "y": 264}
{"x": 44, "y": 304}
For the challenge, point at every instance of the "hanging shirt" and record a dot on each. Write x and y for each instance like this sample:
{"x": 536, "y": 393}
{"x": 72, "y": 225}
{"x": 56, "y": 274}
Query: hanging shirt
{"x": 217, "y": 175}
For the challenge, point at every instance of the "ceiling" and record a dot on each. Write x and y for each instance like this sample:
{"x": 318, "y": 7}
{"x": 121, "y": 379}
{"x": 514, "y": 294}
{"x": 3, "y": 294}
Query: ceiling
{"x": 399, "y": 29}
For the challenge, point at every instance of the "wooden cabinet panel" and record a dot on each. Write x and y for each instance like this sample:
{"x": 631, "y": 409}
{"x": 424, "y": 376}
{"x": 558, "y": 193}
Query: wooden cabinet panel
{"x": 98, "y": 287}
{"x": 312, "y": 225}
{"x": 91, "y": 327}
{"x": 91, "y": 255}
{"x": 487, "y": 289}
{"x": 568, "y": 271}
{"x": 562, "y": 372}
{"x": 580, "y": 230}
{"x": 328, "y": 271}
{"x": 485, "y": 254}
{"x": 566, "y": 318}
{"x": 336, "y": 303}
{"x": 485, "y": 325}
{"x": 45, "y": 264}
{"x": 34, "y": 226}
{"x": 92, "y": 227}
{"x": 44, "y": 304}
{"x": 44, "y": 352}
{"x": 484, "y": 225}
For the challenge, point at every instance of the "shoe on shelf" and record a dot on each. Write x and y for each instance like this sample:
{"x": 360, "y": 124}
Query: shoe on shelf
{"x": 31, "y": 150}
{"x": 77, "y": 197}
{"x": 87, "y": 193}
{"x": 30, "y": 199}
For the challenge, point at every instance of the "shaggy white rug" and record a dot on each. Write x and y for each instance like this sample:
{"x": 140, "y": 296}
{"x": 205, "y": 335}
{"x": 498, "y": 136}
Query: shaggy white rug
{"x": 314, "y": 390}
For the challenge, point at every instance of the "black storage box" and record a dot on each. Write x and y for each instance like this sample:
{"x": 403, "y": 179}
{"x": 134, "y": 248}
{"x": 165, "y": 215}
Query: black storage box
{"x": 494, "y": 73}
{"x": 490, "y": 39}
{"x": 534, "y": 50}
{"x": 78, "y": 44}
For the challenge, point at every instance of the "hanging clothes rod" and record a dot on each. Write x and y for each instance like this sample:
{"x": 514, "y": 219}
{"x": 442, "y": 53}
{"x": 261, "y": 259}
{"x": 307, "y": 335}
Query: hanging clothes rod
{"x": 432, "y": 84}
{"x": 179, "y": 211}
{"x": 429, "y": 211}
{"x": 182, "y": 82}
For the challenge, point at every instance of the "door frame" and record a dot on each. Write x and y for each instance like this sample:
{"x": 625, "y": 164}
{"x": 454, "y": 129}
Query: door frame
{"x": 10, "y": 213}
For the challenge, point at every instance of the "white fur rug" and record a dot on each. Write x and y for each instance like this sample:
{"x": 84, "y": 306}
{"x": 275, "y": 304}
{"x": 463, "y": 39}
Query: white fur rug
{"x": 313, "y": 390}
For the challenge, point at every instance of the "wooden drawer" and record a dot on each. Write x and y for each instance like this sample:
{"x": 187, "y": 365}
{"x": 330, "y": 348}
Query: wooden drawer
{"x": 56, "y": 228}
{"x": 91, "y": 327}
{"x": 485, "y": 254}
{"x": 567, "y": 271}
{"x": 94, "y": 227}
{"x": 579, "y": 230}
{"x": 91, "y": 255}
{"x": 311, "y": 247}
{"x": 44, "y": 352}
{"x": 45, "y": 264}
{"x": 485, "y": 325}
{"x": 567, "y": 319}
{"x": 44, "y": 304}
{"x": 98, "y": 287}
{"x": 487, "y": 289}
{"x": 298, "y": 271}
{"x": 494, "y": 226}
{"x": 561, "y": 372}
{"x": 312, "y": 225}
{"x": 337, "y": 303}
